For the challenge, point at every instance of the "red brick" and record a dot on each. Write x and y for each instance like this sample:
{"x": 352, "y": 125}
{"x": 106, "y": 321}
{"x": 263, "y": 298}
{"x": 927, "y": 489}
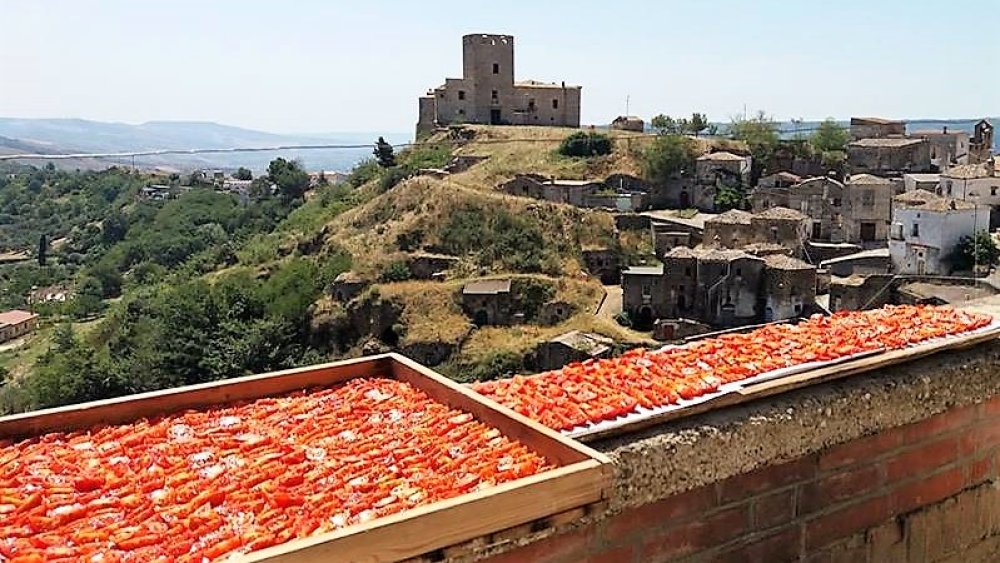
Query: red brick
{"x": 980, "y": 470}
{"x": 930, "y": 428}
{"x": 685, "y": 506}
{"x": 838, "y": 487}
{"x": 929, "y": 490}
{"x": 780, "y": 546}
{"x": 860, "y": 450}
{"x": 766, "y": 479}
{"x": 914, "y": 462}
{"x": 696, "y": 536}
{"x": 774, "y": 510}
{"x": 840, "y": 524}
{"x": 616, "y": 555}
{"x": 574, "y": 545}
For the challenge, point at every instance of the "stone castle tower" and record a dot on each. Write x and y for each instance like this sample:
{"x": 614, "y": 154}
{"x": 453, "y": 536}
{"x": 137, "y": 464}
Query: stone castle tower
{"x": 487, "y": 92}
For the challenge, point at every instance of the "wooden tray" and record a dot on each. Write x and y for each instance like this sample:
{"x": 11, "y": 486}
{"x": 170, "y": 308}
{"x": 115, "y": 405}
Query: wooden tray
{"x": 747, "y": 391}
{"x": 581, "y": 478}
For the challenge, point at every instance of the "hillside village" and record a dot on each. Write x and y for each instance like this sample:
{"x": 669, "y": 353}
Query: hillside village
{"x": 507, "y": 240}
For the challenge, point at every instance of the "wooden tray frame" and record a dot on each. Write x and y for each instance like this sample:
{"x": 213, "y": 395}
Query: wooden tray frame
{"x": 582, "y": 477}
{"x": 816, "y": 376}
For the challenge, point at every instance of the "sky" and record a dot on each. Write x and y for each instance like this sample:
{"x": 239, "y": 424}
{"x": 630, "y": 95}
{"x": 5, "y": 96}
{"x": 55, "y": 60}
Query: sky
{"x": 310, "y": 66}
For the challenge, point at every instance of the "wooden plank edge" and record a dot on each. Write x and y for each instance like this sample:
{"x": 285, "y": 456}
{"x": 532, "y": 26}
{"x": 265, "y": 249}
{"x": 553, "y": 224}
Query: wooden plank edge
{"x": 448, "y": 522}
{"x": 522, "y": 420}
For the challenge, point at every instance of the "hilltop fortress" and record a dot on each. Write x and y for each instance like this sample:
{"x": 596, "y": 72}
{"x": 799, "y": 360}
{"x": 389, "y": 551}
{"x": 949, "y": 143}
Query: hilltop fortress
{"x": 487, "y": 92}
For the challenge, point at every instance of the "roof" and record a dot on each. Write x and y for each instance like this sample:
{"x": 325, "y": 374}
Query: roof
{"x": 946, "y": 204}
{"x": 937, "y": 132}
{"x": 785, "y": 262}
{"x": 16, "y": 317}
{"x": 732, "y": 217}
{"x": 868, "y": 179}
{"x": 923, "y": 177}
{"x": 573, "y": 183}
{"x": 784, "y": 175}
{"x": 968, "y": 171}
{"x": 696, "y": 221}
{"x": 721, "y": 155}
{"x": 643, "y": 271}
{"x": 588, "y": 342}
{"x": 887, "y": 142}
{"x": 916, "y": 196}
{"x": 486, "y": 287}
{"x": 781, "y": 213}
{"x": 872, "y": 253}
{"x": 681, "y": 252}
{"x": 540, "y": 84}
{"x": 628, "y": 118}
{"x": 719, "y": 254}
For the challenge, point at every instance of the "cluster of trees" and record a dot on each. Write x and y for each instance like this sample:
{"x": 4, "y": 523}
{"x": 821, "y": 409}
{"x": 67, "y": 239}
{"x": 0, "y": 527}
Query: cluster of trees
{"x": 977, "y": 250}
{"x": 697, "y": 124}
{"x": 197, "y": 331}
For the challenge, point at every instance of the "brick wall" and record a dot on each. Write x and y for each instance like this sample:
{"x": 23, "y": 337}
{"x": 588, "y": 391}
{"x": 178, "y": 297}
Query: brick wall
{"x": 920, "y": 492}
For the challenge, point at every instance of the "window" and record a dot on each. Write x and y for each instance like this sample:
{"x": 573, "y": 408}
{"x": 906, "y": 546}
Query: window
{"x": 496, "y": 68}
{"x": 836, "y": 202}
{"x": 774, "y": 234}
{"x": 531, "y": 104}
{"x": 495, "y": 95}
{"x": 868, "y": 198}
{"x": 555, "y": 104}
{"x": 993, "y": 190}
{"x": 947, "y": 187}
{"x": 687, "y": 271}
{"x": 915, "y": 230}
{"x": 739, "y": 272}
{"x": 461, "y": 112}
{"x": 461, "y": 94}
{"x": 647, "y": 289}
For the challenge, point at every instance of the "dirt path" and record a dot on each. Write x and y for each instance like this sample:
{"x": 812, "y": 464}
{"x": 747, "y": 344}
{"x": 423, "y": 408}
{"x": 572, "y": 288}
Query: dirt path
{"x": 612, "y": 304}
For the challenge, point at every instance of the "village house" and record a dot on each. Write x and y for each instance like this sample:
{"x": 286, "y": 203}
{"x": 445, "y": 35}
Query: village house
{"x": 719, "y": 287}
{"x": 50, "y": 294}
{"x": 603, "y": 263}
{"x": 926, "y": 229}
{"x": 981, "y": 143}
{"x": 779, "y": 180}
{"x": 347, "y": 286}
{"x": 488, "y": 302}
{"x": 628, "y": 123}
{"x": 725, "y": 167}
{"x": 890, "y": 156}
{"x": 156, "y": 192}
{"x": 581, "y": 193}
{"x": 868, "y": 209}
{"x": 820, "y": 198}
{"x": 876, "y": 128}
{"x": 573, "y": 346}
{"x": 487, "y": 92}
{"x": 774, "y": 228}
{"x": 975, "y": 183}
{"x": 947, "y": 148}
{"x": 16, "y": 323}
{"x": 921, "y": 181}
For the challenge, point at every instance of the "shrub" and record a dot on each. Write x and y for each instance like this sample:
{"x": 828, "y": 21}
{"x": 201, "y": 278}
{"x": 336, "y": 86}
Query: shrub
{"x": 393, "y": 176}
{"x": 396, "y": 272}
{"x": 365, "y": 171}
{"x": 585, "y": 144}
{"x": 497, "y": 364}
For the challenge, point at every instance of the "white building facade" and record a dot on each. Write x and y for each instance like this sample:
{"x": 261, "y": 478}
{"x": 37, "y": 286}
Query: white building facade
{"x": 926, "y": 230}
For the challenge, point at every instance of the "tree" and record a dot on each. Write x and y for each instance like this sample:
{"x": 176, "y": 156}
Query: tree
{"x": 243, "y": 174}
{"x": 698, "y": 123}
{"x": 289, "y": 176}
{"x": 585, "y": 144}
{"x": 384, "y": 153}
{"x": 760, "y": 133}
{"x": 114, "y": 228}
{"x": 668, "y": 156}
{"x": 665, "y": 125}
{"x": 978, "y": 250}
{"x": 829, "y": 137}
{"x": 43, "y": 250}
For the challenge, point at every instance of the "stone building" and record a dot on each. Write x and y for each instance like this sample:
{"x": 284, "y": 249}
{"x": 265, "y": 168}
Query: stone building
{"x": 603, "y": 263}
{"x": 917, "y": 181}
{"x": 347, "y": 286}
{"x": 729, "y": 230}
{"x": 821, "y": 199}
{"x": 926, "y": 229}
{"x": 789, "y": 287}
{"x": 947, "y": 148}
{"x": 573, "y": 346}
{"x": 729, "y": 168}
{"x": 978, "y": 183}
{"x": 876, "y": 128}
{"x": 779, "y": 180}
{"x": 719, "y": 287}
{"x": 770, "y": 230}
{"x": 488, "y": 302}
{"x": 888, "y": 156}
{"x": 487, "y": 92}
{"x": 981, "y": 143}
{"x": 628, "y": 123}
{"x": 867, "y": 209}
{"x": 16, "y": 323}
{"x": 536, "y": 186}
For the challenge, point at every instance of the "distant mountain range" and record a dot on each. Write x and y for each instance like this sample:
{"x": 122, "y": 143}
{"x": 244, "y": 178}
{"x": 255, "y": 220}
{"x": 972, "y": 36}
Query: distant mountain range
{"x": 69, "y": 136}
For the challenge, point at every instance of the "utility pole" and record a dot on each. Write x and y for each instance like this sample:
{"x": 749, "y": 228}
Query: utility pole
{"x": 626, "y": 104}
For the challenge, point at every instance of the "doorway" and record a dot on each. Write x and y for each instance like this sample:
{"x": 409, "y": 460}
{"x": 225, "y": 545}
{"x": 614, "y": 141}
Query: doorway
{"x": 867, "y": 232}
{"x": 494, "y": 117}
{"x": 816, "y": 230}
{"x": 685, "y": 200}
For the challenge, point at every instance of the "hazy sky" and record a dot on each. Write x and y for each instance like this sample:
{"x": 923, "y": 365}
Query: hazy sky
{"x": 319, "y": 66}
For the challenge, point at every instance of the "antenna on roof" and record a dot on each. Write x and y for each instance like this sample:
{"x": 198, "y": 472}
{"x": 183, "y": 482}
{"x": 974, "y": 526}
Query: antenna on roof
{"x": 626, "y": 105}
